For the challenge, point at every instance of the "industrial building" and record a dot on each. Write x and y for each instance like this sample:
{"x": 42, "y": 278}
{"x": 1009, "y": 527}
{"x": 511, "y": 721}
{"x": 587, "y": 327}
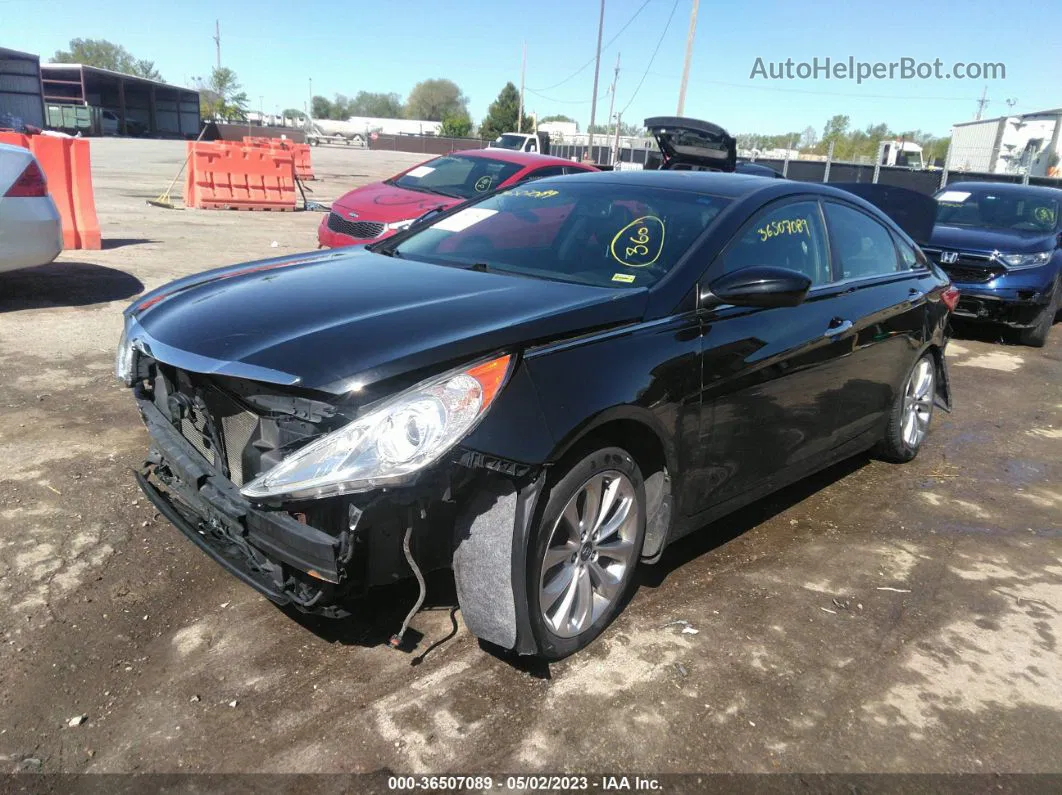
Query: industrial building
{"x": 97, "y": 101}
{"x": 1028, "y": 143}
{"x": 21, "y": 102}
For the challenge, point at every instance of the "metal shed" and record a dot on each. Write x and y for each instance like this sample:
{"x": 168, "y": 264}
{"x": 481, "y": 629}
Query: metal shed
{"x": 139, "y": 104}
{"x": 20, "y": 89}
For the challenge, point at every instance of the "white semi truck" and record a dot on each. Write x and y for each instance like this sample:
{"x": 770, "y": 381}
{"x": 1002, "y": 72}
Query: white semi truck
{"x": 357, "y": 129}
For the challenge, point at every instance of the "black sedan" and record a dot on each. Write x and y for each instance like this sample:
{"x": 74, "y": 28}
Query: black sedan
{"x": 540, "y": 389}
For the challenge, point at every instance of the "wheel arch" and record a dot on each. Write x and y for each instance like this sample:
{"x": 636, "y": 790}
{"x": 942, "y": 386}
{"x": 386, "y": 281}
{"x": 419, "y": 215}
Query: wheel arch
{"x": 640, "y": 433}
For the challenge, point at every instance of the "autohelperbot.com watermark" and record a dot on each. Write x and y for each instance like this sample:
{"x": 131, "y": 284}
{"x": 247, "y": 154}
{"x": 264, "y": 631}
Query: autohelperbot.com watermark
{"x": 905, "y": 68}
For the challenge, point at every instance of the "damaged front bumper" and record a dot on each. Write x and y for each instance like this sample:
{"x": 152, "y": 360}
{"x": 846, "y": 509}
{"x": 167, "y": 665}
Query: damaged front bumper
{"x": 474, "y": 518}
{"x": 1011, "y": 307}
{"x": 286, "y": 560}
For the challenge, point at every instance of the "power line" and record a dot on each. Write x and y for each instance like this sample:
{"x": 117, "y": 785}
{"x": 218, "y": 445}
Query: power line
{"x": 582, "y": 68}
{"x": 566, "y": 101}
{"x": 652, "y": 57}
{"x": 810, "y": 91}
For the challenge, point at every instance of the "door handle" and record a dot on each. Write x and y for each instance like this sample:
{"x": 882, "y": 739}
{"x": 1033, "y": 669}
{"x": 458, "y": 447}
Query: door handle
{"x": 837, "y": 326}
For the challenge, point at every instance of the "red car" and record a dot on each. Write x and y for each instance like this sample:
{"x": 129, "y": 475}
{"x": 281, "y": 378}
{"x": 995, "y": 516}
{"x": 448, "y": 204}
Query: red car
{"x": 376, "y": 211}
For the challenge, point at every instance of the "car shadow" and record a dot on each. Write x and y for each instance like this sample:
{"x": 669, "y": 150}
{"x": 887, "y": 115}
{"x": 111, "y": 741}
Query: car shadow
{"x": 992, "y": 333}
{"x": 65, "y": 284}
{"x": 122, "y": 242}
{"x": 720, "y": 532}
{"x": 379, "y": 614}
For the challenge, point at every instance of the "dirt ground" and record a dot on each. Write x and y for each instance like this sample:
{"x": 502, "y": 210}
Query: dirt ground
{"x": 876, "y": 618}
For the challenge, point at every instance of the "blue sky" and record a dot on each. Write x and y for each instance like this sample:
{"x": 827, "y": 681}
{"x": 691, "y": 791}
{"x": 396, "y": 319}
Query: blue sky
{"x": 347, "y": 46}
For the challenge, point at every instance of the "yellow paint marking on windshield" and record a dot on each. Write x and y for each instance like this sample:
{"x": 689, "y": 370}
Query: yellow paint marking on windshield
{"x": 533, "y": 194}
{"x": 483, "y": 183}
{"x": 784, "y": 226}
{"x": 626, "y": 278}
{"x": 639, "y": 243}
{"x": 1045, "y": 215}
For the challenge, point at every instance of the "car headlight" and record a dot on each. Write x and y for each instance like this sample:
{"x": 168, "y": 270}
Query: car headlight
{"x": 398, "y": 226}
{"x": 1018, "y": 261}
{"x": 392, "y": 440}
{"x": 123, "y": 359}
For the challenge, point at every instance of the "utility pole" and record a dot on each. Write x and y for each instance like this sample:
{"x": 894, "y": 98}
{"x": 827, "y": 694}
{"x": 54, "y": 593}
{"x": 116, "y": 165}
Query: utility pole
{"x": 523, "y": 69}
{"x": 217, "y": 39}
{"x": 689, "y": 57}
{"x": 309, "y": 109}
{"x": 612, "y": 92}
{"x": 981, "y": 103}
{"x": 597, "y": 71}
{"x": 615, "y": 146}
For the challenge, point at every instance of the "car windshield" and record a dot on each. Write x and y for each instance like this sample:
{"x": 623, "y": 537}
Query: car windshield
{"x": 1026, "y": 211}
{"x": 508, "y": 141}
{"x": 457, "y": 176}
{"x": 601, "y": 233}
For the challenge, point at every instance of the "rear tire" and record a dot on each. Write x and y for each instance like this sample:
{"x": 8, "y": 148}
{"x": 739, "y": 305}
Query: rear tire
{"x": 583, "y": 552}
{"x": 911, "y": 412}
{"x": 1036, "y": 335}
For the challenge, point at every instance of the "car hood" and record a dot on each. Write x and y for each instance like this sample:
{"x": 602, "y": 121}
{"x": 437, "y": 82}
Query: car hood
{"x": 338, "y": 320}
{"x": 388, "y": 203}
{"x": 978, "y": 239}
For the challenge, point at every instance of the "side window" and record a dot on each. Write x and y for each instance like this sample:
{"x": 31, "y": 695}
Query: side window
{"x": 548, "y": 171}
{"x": 862, "y": 245}
{"x": 910, "y": 258}
{"x": 789, "y": 236}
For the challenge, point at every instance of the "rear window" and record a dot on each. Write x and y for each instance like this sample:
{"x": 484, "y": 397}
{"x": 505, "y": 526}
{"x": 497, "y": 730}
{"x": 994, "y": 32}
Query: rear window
{"x": 604, "y": 234}
{"x": 457, "y": 176}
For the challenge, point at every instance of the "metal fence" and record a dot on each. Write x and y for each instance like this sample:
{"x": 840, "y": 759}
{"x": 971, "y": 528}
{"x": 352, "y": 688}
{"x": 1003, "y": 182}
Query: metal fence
{"x": 426, "y": 144}
{"x": 1039, "y": 167}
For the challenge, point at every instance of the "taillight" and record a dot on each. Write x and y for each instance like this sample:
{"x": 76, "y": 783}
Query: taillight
{"x": 950, "y": 297}
{"x": 31, "y": 183}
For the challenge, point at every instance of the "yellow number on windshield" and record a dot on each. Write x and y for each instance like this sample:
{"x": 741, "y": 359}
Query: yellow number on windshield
{"x": 639, "y": 243}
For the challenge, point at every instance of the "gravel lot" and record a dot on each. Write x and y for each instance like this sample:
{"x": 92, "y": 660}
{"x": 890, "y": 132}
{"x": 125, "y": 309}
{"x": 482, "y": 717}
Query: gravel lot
{"x": 875, "y": 618}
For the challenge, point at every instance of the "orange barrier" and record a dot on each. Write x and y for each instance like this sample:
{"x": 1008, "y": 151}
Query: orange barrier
{"x": 231, "y": 176}
{"x": 67, "y": 166}
{"x": 300, "y": 153}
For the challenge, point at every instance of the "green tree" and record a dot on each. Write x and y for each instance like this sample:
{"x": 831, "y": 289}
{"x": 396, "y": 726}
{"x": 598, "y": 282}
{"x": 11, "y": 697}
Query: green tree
{"x": 376, "y": 104}
{"x": 106, "y": 55}
{"x": 435, "y": 100}
{"x": 222, "y": 96}
{"x": 293, "y": 113}
{"x": 836, "y": 129}
{"x": 456, "y": 127}
{"x": 556, "y": 117}
{"x": 502, "y": 113}
{"x": 320, "y": 108}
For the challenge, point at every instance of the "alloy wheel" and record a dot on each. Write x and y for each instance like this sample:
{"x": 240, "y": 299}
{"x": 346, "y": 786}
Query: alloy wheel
{"x": 918, "y": 403}
{"x": 590, "y": 550}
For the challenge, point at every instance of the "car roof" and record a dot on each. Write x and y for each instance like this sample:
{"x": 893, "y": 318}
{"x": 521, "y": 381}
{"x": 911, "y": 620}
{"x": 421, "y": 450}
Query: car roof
{"x": 1008, "y": 187}
{"x": 520, "y": 158}
{"x": 719, "y": 183}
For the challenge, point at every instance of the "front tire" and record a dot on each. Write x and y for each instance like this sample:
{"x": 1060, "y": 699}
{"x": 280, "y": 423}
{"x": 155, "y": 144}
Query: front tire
{"x": 1036, "y": 335}
{"x": 911, "y": 412}
{"x": 584, "y": 550}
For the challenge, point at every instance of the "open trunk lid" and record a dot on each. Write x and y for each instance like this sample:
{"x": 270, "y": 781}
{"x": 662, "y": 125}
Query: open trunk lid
{"x": 691, "y": 143}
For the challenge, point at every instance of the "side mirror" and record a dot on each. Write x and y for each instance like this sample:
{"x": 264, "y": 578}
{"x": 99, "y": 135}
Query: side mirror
{"x": 759, "y": 285}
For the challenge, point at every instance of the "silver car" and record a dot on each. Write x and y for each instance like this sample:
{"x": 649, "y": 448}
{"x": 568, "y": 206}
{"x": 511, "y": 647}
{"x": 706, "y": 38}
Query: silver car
{"x": 30, "y": 229}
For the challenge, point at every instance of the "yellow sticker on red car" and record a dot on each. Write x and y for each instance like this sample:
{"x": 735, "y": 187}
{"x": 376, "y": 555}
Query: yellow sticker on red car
{"x": 639, "y": 243}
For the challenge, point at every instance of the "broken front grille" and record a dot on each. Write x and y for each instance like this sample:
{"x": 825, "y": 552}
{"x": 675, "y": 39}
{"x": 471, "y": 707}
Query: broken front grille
{"x": 361, "y": 229}
{"x": 233, "y": 424}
